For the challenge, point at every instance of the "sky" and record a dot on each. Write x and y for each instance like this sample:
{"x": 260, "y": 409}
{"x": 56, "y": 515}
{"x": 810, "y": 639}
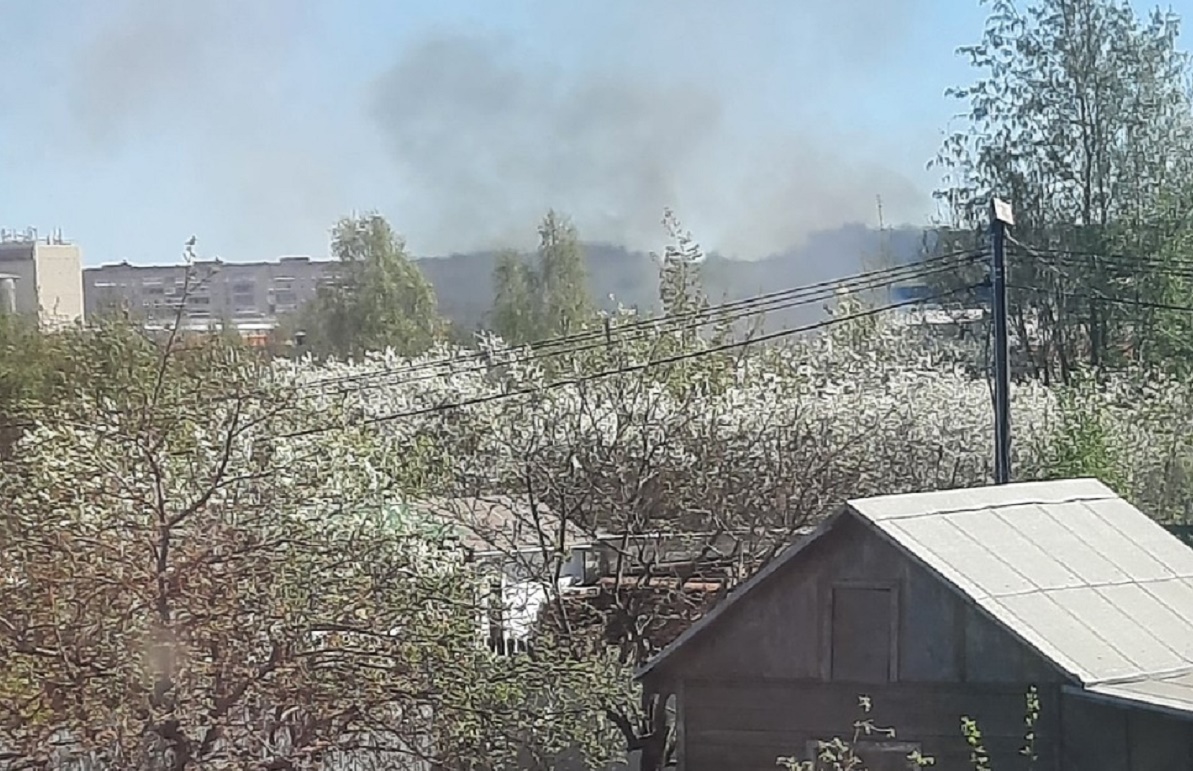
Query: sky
{"x": 132, "y": 124}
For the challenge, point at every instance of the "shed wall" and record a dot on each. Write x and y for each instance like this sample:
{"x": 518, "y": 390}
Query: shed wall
{"x": 1102, "y": 737}
{"x": 756, "y": 685}
{"x": 748, "y": 725}
{"x": 781, "y": 631}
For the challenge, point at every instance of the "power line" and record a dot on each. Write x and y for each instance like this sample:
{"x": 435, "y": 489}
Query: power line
{"x": 1099, "y": 295}
{"x": 1138, "y": 269}
{"x": 1174, "y": 268}
{"x": 1120, "y": 258}
{"x": 1116, "y": 300}
{"x": 674, "y": 323}
{"x": 630, "y": 368}
{"x": 484, "y": 366}
{"x": 638, "y": 330}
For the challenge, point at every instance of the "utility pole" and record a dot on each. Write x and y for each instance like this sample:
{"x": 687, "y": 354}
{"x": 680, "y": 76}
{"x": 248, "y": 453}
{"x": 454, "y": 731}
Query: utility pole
{"x": 1001, "y": 215}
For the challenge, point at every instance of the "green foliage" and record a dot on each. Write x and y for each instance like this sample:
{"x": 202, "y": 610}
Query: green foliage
{"x": 1081, "y": 117}
{"x": 847, "y": 754}
{"x": 547, "y": 299}
{"x": 28, "y": 363}
{"x": 1099, "y": 94}
{"x": 562, "y": 277}
{"x": 681, "y": 290}
{"x": 1031, "y": 719}
{"x": 379, "y": 299}
{"x": 1082, "y": 442}
{"x": 978, "y": 757}
{"x": 515, "y": 314}
{"x": 271, "y": 578}
{"x": 110, "y": 357}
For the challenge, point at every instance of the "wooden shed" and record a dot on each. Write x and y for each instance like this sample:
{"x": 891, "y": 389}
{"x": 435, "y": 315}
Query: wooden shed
{"x": 946, "y": 605}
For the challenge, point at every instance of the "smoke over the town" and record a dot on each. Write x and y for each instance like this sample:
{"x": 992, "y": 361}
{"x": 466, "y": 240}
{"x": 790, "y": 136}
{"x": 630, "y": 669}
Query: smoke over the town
{"x": 488, "y": 137}
{"x": 234, "y": 117}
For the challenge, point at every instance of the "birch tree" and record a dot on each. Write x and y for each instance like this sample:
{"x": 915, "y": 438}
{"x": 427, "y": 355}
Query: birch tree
{"x": 1081, "y": 117}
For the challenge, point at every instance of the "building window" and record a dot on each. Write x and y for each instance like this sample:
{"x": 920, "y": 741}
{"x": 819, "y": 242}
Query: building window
{"x": 863, "y": 629}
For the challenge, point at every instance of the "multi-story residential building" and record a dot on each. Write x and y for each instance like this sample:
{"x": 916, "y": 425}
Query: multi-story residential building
{"x": 41, "y": 277}
{"x": 250, "y": 294}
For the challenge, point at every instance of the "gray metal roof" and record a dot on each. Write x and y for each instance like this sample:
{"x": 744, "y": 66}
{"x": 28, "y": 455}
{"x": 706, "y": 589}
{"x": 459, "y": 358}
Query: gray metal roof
{"x": 1086, "y": 579}
{"x": 1172, "y": 694}
{"x": 1082, "y": 576}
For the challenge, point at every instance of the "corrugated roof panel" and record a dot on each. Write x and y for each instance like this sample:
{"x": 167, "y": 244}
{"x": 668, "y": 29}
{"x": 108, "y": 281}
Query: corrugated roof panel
{"x": 1148, "y": 611}
{"x": 1176, "y": 594}
{"x": 1033, "y": 493}
{"x": 1004, "y": 615}
{"x": 1121, "y": 628}
{"x": 1079, "y": 574}
{"x": 935, "y": 561}
{"x": 1146, "y": 534}
{"x": 1134, "y": 562}
{"x": 1037, "y": 524}
{"x": 1095, "y": 657}
{"x": 959, "y": 556}
{"x": 1022, "y": 554}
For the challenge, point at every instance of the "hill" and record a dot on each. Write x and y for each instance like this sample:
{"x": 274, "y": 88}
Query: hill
{"x": 463, "y": 282}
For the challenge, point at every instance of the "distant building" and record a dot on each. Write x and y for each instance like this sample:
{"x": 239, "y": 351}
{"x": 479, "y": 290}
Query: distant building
{"x": 253, "y": 295}
{"x": 41, "y": 277}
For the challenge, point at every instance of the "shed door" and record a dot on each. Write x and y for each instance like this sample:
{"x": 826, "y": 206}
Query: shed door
{"x": 862, "y": 634}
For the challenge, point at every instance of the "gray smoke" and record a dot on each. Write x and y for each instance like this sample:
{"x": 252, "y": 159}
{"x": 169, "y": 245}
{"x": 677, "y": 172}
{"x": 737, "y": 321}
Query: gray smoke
{"x": 610, "y": 112}
{"x": 486, "y": 147}
{"x": 486, "y": 137}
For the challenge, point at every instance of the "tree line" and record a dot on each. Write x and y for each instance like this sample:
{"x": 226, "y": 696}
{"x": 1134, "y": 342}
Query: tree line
{"x": 379, "y": 299}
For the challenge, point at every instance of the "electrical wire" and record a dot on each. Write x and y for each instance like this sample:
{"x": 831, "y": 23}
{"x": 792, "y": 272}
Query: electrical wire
{"x": 643, "y": 329}
{"x": 1174, "y": 268}
{"x": 642, "y": 334}
{"x": 1116, "y": 300}
{"x": 443, "y": 407}
{"x": 674, "y": 323}
{"x": 1120, "y": 258}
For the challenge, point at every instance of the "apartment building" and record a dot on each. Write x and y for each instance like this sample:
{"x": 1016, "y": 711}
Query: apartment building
{"x": 41, "y": 277}
{"x": 251, "y": 294}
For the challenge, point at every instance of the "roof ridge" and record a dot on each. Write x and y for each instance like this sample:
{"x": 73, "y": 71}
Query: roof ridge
{"x": 976, "y": 507}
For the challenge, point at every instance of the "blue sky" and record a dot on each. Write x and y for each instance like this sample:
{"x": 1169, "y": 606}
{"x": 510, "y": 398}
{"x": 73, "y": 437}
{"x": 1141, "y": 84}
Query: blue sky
{"x": 132, "y": 124}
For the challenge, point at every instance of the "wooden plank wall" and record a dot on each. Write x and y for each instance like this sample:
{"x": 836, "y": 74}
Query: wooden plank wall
{"x": 1109, "y": 738}
{"x": 748, "y": 725}
{"x": 780, "y": 630}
